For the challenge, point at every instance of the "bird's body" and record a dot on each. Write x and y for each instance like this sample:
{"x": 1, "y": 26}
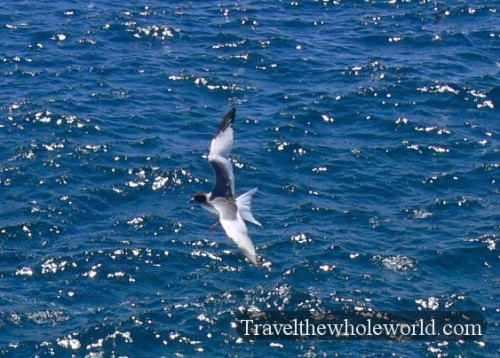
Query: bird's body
{"x": 232, "y": 211}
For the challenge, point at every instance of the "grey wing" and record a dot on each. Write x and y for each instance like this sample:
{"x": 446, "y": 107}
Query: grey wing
{"x": 220, "y": 148}
{"x": 224, "y": 178}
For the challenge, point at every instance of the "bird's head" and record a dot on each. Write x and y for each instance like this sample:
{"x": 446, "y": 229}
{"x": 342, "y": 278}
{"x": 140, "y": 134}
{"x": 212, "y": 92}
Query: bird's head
{"x": 199, "y": 197}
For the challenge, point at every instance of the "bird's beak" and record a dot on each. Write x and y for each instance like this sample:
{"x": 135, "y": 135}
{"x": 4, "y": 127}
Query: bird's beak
{"x": 191, "y": 200}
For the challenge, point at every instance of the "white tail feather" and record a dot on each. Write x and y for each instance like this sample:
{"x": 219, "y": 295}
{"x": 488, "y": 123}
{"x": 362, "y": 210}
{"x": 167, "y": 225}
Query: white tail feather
{"x": 244, "y": 203}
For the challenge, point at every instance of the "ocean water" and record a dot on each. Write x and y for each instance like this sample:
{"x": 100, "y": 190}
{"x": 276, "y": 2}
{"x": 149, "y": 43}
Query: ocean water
{"x": 370, "y": 128}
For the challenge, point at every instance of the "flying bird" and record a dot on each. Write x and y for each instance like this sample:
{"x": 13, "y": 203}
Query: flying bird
{"x": 232, "y": 211}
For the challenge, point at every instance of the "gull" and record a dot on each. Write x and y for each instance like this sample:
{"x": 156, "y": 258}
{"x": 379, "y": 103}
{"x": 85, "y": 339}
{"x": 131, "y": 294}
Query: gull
{"x": 221, "y": 201}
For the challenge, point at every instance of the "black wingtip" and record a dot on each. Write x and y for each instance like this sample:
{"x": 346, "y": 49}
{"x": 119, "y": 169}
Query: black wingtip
{"x": 227, "y": 121}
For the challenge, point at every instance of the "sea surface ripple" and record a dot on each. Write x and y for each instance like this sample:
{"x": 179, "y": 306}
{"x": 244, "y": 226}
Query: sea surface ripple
{"x": 370, "y": 128}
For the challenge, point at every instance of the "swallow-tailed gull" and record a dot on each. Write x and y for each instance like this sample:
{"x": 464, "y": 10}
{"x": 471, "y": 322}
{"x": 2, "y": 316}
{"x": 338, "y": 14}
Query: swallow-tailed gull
{"x": 232, "y": 212}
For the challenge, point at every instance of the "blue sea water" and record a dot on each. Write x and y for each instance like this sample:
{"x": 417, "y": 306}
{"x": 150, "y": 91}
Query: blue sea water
{"x": 370, "y": 128}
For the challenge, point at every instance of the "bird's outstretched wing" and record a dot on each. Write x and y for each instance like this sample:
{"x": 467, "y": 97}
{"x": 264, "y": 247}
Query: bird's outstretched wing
{"x": 235, "y": 228}
{"x": 220, "y": 148}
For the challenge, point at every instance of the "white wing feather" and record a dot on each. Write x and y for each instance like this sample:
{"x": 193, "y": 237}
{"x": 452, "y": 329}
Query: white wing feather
{"x": 237, "y": 231}
{"x": 222, "y": 144}
{"x": 220, "y": 149}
